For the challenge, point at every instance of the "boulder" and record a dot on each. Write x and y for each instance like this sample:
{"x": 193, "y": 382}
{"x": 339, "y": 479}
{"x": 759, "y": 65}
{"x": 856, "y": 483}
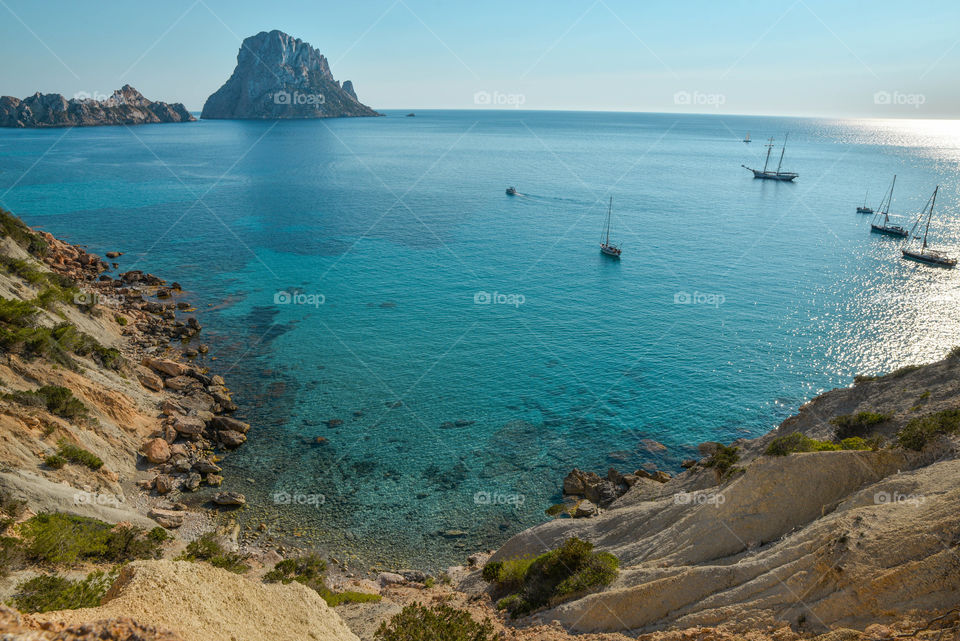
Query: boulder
{"x": 179, "y": 382}
{"x": 156, "y": 450}
{"x": 150, "y": 380}
{"x": 165, "y": 366}
{"x": 188, "y": 425}
{"x": 390, "y": 578}
{"x": 192, "y": 483}
{"x": 229, "y": 498}
{"x": 164, "y": 483}
{"x": 228, "y": 423}
{"x": 167, "y": 518}
{"x": 577, "y": 481}
{"x": 585, "y": 509}
{"x": 229, "y": 438}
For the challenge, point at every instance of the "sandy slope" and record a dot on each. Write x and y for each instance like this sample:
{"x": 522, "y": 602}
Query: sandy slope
{"x": 202, "y": 603}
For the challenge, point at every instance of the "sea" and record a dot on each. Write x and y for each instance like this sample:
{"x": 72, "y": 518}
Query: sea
{"x": 423, "y": 357}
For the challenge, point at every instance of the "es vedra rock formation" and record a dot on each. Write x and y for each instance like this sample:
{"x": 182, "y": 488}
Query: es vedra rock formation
{"x": 279, "y": 76}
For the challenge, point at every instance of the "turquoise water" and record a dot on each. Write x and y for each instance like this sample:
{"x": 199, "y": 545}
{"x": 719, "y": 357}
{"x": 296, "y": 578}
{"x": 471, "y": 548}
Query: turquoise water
{"x": 399, "y": 225}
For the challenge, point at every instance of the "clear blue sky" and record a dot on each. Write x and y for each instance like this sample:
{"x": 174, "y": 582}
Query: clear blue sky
{"x": 809, "y": 57}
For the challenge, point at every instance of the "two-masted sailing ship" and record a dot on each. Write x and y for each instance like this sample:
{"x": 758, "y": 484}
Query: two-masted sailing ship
{"x": 785, "y": 176}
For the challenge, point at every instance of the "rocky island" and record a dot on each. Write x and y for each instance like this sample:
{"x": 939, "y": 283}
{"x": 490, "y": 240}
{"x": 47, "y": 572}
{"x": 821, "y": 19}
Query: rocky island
{"x": 281, "y": 77}
{"x": 126, "y": 106}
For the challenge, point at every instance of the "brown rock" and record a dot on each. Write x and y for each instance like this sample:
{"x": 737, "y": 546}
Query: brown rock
{"x": 167, "y": 518}
{"x": 163, "y": 483}
{"x": 214, "y": 480}
{"x": 150, "y": 380}
{"x": 231, "y": 439}
{"x": 228, "y": 423}
{"x": 178, "y": 382}
{"x": 229, "y": 498}
{"x": 165, "y": 366}
{"x": 156, "y": 450}
{"x": 188, "y": 425}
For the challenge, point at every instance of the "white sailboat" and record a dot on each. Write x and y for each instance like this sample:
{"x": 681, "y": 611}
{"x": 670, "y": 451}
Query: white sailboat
{"x": 785, "y": 176}
{"x": 747, "y": 137}
{"x": 864, "y": 209}
{"x": 605, "y": 246}
{"x": 925, "y": 254}
{"x": 886, "y": 227}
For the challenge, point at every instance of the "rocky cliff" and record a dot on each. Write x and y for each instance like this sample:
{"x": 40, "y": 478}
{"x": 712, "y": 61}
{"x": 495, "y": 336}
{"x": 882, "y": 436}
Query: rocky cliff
{"x": 816, "y": 539}
{"x": 279, "y": 76}
{"x": 126, "y": 106}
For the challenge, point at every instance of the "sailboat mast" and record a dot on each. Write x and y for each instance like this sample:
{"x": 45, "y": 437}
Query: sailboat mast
{"x": 780, "y": 164}
{"x": 769, "y": 149}
{"x": 929, "y": 216}
{"x": 886, "y": 210}
{"x": 609, "y": 214}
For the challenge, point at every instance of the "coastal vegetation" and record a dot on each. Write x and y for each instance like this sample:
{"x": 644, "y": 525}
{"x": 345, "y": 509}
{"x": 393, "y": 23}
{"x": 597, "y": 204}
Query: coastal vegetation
{"x": 800, "y": 443}
{"x": 75, "y": 454}
{"x": 723, "y": 460}
{"x": 18, "y": 332}
{"x": 56, "y": 399}
{"x": 63, "y": 539}
{"x": 309, "y": 570}
{"x": 919, "y": 431}
{"x": 208, "y": 549}
{"x": 15, "y": 229}
{"x": 572, "y": 570}
{"x": 440, "y": 622}
{"x": 859, "y": 424}
{"x": 49, "y": 592}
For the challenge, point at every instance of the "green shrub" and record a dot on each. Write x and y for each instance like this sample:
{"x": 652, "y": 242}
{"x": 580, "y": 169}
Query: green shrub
{"x": 856, "y": 443}
{"x": 10, "y": 511}
{"x": 79, "y": 455}
{"x": 55, "y": 399}
{"x": 16, "y": 229}
{"x": 23, "y": 269}
{"x": 441, "y": 622}
{"x": 724, "y": 459}
{"x": 208, "y": 549}
{"x": 918, "y": 432}
{"x": 18, "y": 313}
{"x": 55, "y": 461}
{"x": 56, "y": 343}
{"x": 797, "y": 442}
{"x": 859, "y": 424}
{"x": 121, "y": 320}
{"x": 571, "y": 570}
{"x": 309, "y": 570}
{"x": 51, "y": 592}
{"x": 63, "y": 539}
